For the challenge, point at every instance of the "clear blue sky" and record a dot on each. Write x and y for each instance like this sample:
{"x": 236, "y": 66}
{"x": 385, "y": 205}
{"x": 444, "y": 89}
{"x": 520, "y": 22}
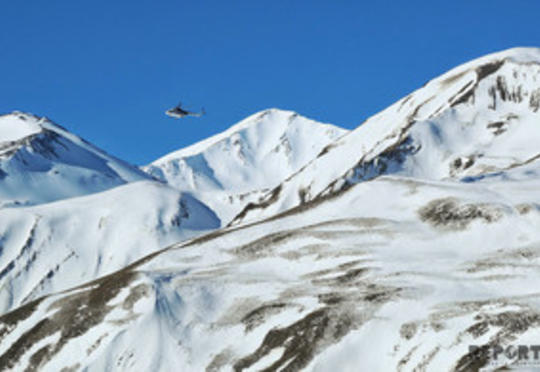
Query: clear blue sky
{"x": 107, "y": 70}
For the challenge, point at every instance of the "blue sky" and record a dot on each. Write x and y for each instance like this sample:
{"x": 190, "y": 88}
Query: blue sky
{"x": 107, "y": 70}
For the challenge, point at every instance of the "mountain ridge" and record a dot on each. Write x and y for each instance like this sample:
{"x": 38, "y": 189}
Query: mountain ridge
{"x": 384, "y": 136}
{"x": 234, "y": 167}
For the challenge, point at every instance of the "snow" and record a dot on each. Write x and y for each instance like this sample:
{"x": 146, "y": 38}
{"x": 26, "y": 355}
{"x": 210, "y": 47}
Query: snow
{"x": 439, "y": 129}
{"x": 199, "y": 291}
{"x": 41, "y": 162}
{"x": 398, "y": 258}
{"x": 16, "y": 126}
{"x": 233, "y": 168}
{"x": 55, "y": 246}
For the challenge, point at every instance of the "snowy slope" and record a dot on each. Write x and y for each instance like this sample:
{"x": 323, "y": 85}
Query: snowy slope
{"x": 235, "y": 167}
{"x": 393, "y": 274}
{"x": 479, "y": 118}
{"x": 42, "y": 162}
{"x": 55, "y": 246}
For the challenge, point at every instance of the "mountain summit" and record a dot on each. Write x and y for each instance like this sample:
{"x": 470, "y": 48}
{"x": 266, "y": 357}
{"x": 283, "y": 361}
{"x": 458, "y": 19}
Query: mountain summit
{"x": 42, "y": 162}
{"x": 233, "y": 168}
{"x": 477, "y": 120}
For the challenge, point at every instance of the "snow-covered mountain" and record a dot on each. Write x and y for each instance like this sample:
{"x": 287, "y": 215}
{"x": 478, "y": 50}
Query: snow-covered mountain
{"x": 55, "y": 246}
{"x": 233, "y": 168}
{"x": 397, "y": 247}
{"x": 392, "y": 274}
{"x": 70, "y": 213}
{"x": 477, "y": 119}
{"x": 42, "y": 162}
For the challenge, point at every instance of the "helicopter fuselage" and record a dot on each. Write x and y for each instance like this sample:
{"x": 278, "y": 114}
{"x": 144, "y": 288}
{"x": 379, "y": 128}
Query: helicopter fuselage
{"x": 177, "y": 112}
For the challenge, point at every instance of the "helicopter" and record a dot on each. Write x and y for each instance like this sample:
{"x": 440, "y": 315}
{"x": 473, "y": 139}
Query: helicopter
{"x": 178, "y": 112}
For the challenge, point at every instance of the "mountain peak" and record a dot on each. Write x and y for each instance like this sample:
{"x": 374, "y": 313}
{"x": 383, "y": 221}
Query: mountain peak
{"x": 490, "y": 63}
{"x": 477, "y": 119}
{"x": 17, "y": 125}
{"x": 261, "y": 115}
{"x": 269, "y": 119}
{"x": 517, "y": 54}
{"x": 251, "y": 156}
{"x": 41, "y": 162}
